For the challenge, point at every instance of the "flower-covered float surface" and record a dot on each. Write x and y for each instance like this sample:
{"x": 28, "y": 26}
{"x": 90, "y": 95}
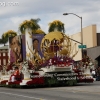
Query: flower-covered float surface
{"x": 84, "y": 69}
{"x": 53, "y": 66}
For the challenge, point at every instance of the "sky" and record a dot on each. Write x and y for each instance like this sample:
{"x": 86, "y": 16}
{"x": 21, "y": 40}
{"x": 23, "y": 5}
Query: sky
{"x": 14, "y": 12}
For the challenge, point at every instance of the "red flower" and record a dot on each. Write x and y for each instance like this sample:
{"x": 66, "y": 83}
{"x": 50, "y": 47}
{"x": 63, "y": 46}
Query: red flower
{"x": 3, "y": 82}
{"x": 39, "y": 80}
{"x": 14, "y": 83}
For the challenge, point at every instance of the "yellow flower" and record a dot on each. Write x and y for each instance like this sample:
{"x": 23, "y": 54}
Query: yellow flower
{"x": 39, "y": 31}
{"x": 9, "y": 33}
{"x": 56, "y": 22}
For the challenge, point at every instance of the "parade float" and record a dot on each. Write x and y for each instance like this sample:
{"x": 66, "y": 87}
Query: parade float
{"x": 43, "y": 60}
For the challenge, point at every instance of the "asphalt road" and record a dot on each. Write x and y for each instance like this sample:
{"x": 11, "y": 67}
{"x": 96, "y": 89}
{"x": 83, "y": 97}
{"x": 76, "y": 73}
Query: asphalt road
{"x": 79, "y": 92}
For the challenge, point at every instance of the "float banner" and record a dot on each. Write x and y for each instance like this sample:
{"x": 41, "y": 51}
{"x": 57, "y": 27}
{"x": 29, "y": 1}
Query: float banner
{"x": 23, "y": 47}
{"x": 15, "y": 47}
{"x": 36, "y": 41}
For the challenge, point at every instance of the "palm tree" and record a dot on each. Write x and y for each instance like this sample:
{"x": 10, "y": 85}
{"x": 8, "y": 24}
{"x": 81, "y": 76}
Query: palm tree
{"x": 36, "y": 22}
{"x": 5, "y": 36}
{"x": 32, "y": 24}
{"x": 56, "y": 25}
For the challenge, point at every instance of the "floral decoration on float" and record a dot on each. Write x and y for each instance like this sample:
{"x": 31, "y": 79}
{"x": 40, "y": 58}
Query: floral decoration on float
{"x": 86, "y": 62}
{"x": 9, "y": 34}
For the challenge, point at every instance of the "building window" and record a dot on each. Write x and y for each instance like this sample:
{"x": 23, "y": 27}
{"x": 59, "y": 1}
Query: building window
{"x": 4, "y": 54}
{"x": 4, "y": 61}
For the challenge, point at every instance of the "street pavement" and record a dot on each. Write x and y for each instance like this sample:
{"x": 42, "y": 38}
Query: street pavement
{"x": 83, "y": 91}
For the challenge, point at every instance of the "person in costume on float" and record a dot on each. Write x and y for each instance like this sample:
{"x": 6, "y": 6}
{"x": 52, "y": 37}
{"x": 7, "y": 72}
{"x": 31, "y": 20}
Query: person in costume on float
{"x": 14, "y": 75}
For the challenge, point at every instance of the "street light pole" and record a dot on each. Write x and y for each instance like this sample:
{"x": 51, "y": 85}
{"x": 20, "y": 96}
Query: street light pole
{"x": 81, "y": 28}
{"x": 81, "y": 32}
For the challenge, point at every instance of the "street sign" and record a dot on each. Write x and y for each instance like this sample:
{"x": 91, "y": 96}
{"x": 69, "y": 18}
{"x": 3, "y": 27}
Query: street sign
{"x": 82, "y": 46}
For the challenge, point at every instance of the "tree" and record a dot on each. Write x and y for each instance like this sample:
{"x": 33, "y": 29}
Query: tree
{"x": 4, "y": 40}
{"x": 36, "y": 22}
{"x": 1, "y": 41}
{"x": 56, "y": 25}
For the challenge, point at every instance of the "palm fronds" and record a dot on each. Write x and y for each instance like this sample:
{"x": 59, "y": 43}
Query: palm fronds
{"x": 56, "y": 25}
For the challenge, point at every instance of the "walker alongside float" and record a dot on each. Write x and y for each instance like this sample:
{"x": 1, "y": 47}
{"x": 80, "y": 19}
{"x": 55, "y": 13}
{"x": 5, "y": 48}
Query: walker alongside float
{"x": 53, "y": 65}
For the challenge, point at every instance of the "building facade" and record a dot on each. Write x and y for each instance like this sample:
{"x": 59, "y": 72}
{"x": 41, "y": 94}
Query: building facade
{"x": 3, "y": 55}
{"x": 90, "y": 39}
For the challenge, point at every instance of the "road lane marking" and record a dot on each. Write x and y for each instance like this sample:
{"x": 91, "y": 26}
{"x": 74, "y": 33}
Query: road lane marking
{"x": 22, "y": 96}
{"x": 73, "y": 90}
